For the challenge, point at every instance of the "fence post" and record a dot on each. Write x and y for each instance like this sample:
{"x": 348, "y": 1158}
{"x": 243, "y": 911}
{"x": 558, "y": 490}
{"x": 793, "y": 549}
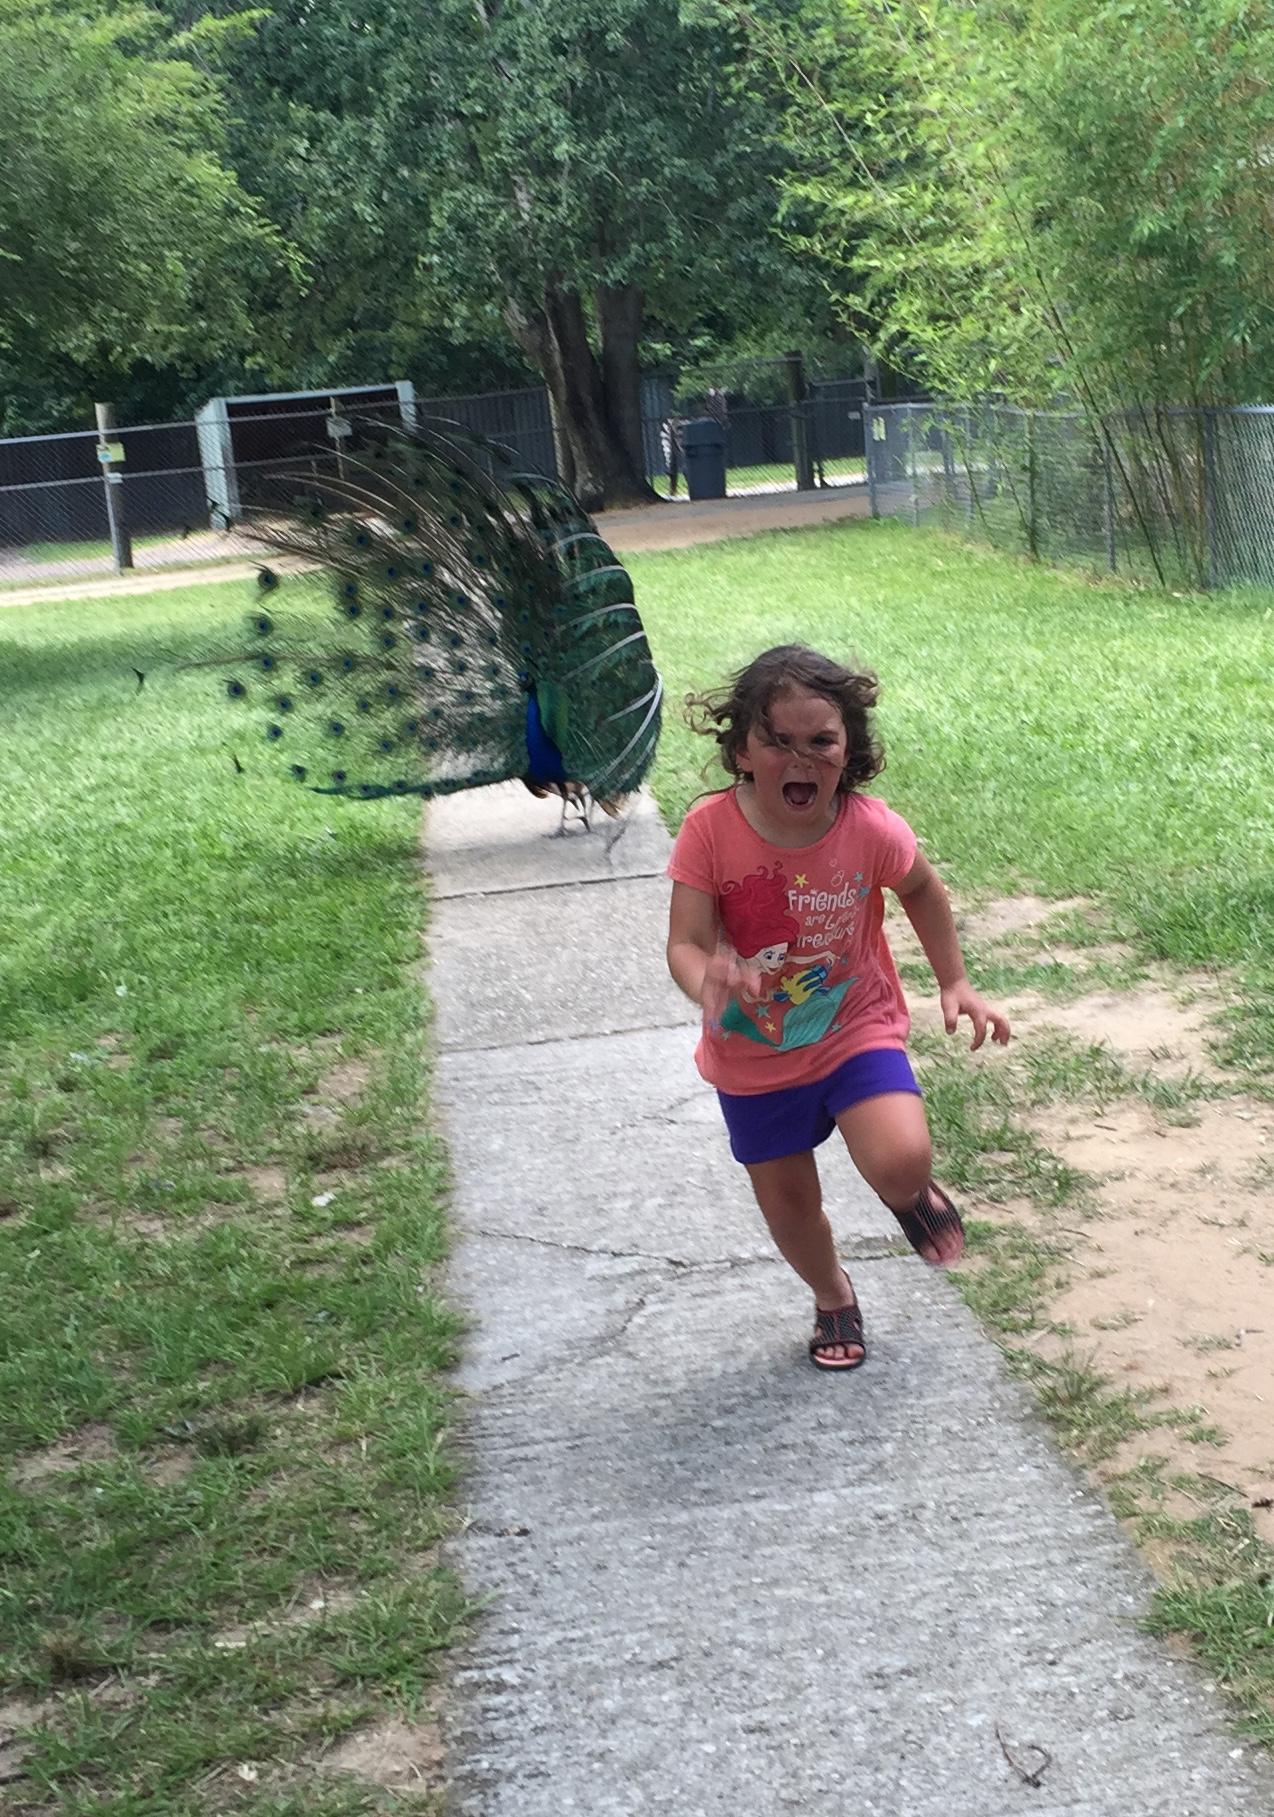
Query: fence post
{"x": 968, "y": 464}
{"x": 948, "y": 462}
{"x": 1032, "y": 534}
{"x": 802, "y": 459}
{"x": 869, "y": 453}
{"x": 1108, "y": 500}
{"x": 1209, "y": 494}
{"x": 121, "y": 541}
{"x": 911, "y": 462}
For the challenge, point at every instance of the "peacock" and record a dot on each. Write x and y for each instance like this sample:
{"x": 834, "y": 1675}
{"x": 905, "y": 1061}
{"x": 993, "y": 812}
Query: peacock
{"x": 478, "y": 628}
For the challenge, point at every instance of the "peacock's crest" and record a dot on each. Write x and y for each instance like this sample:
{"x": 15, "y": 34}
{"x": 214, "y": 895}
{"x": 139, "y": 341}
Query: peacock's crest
{"x": 477, "y": 628}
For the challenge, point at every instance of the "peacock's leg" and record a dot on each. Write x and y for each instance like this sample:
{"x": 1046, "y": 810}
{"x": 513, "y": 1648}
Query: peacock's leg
{"x": 574, "y": 795}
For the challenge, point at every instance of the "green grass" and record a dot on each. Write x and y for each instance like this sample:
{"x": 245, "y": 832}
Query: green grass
{"x": 96, "y": 549}
{"x": 220, "y": 1209}
{"x": 1221, "y": 1594}
{"x": 1042, "y": 732}
{"x": 220, "y": 1222}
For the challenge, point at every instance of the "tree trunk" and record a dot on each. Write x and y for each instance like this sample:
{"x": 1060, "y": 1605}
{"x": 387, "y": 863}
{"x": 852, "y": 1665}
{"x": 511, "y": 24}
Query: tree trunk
{"x": 595, "y": 450}
{"x": 619, "y": 312}
{"x": 531, "y": 332}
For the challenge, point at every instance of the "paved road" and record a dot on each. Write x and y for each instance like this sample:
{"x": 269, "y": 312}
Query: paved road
{"x": 678, "y": 525}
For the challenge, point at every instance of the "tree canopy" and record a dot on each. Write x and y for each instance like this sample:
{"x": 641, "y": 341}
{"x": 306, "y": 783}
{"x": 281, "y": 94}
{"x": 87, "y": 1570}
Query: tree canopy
{"x": 320, "y": 192}
{"x": 123, "y": 232}
{"x": 561, "y": 172}
{"x": 1050, "y": 198}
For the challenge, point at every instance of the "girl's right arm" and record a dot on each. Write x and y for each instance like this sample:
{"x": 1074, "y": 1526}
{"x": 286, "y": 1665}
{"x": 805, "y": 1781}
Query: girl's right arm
{"x": 708, "y": 976}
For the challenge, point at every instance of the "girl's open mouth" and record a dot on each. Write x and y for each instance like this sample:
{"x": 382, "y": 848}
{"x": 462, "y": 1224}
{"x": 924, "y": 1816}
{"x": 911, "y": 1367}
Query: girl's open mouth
{"x": 799, "y": 794}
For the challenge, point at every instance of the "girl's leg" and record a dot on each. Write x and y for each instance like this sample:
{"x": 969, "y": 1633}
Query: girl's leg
{"x": 791, "y": 1201}
{"x": 888, "y": 1140}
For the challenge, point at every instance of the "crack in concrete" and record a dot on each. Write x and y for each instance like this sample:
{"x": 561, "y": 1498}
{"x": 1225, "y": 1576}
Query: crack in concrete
{"x": 622, "y": 1255}
{"x": 630, "y": 1317}
{"x": 577, "y": 1352}
{"x": 606, "y": 1034}
{"x": 865, "y": 1248}
{"x": 554, "y": 883}
{"x": 875, "y": 1249}
{"x": 667, "y": 1112}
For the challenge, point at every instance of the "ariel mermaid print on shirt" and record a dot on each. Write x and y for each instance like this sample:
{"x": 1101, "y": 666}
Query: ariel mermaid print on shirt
{"x": 798, "y": 1001}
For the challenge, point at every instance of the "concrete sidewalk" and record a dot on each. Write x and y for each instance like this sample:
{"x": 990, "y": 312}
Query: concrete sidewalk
{"x": 720, "y": 1583}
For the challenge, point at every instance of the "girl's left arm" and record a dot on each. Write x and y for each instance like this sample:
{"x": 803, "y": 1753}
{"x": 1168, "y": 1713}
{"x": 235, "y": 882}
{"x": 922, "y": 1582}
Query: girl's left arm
{"x": 924, "y": 899}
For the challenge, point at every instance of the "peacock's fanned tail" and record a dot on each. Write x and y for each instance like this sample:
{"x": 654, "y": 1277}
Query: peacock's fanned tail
{"x": 476, "y": 627}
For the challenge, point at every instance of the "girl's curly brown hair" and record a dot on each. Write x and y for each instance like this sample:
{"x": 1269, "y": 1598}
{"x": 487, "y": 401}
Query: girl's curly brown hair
{"x": 728, "y": 714}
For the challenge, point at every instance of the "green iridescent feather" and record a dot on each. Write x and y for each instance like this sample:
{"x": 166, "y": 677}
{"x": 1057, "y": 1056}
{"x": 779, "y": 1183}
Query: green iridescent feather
{"x": 458, "y": 586}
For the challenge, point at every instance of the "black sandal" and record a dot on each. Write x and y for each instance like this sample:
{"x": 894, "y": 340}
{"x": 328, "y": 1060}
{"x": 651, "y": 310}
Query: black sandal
{"x": 844, "y": 1326}
{"x": 932, "y": 1216}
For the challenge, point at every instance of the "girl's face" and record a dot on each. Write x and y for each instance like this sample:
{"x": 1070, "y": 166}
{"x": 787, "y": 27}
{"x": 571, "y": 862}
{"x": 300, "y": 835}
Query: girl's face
{"x": 796, "y": 762}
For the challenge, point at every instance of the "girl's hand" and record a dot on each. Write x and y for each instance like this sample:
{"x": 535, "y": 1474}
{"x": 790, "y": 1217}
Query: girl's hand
{"x": 962, "y": 1000}
{"x": 726, "y": 976}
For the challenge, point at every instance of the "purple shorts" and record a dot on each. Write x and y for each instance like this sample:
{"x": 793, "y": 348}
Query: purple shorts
{"x": 767, "y": 1125}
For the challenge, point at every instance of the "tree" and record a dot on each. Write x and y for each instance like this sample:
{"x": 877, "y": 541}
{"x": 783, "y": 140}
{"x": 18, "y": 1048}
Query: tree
{"x": 122, "y": 232}
{"x": 568, "y": 169}
{"x": 1063, "y": 201}
{"x": 1055, "y": 198}
{"x": 617, "y": 160}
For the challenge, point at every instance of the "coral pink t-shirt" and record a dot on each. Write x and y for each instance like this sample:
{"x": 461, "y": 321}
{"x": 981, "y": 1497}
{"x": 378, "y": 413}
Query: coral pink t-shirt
{"x": 812, "y": 916}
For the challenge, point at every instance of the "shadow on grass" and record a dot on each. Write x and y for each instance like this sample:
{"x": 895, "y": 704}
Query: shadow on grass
{"x": 98, "y": 662}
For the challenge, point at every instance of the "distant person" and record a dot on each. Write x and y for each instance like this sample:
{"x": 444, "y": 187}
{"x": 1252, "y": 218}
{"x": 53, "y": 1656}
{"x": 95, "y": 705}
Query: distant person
{"x": 670, "y": 436}
{"x": 776, "y": 930}
{"x": 715, "y": 405}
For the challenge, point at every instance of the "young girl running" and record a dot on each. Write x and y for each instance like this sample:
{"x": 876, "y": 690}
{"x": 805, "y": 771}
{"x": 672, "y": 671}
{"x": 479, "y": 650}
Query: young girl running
{"x": 776, "y": 931}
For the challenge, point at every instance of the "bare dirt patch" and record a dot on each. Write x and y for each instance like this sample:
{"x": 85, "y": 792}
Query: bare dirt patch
{"x": 1171, "y": 1276}
{"x": 394, "y": 1754}
{"x": 92, "y": 1444}
{"x": 1172, "y": 1284}
{"x": 1148, "y": 1025}
{"x": 358, "y": 1236}
{"x": 1012, "y": 915}
{"x": 346, "y": 1083}
{"x": 266, "y": 1182}
{"x": 18, "y": 1716}
{"x": 319, "y": 1115}
{"x": 667, "y": 526}
{"x": 680, "y": 525}
{"x": 311, "y": 1606}
{"x": 157, "y": 1228}
{"x": 168, "y": 1468}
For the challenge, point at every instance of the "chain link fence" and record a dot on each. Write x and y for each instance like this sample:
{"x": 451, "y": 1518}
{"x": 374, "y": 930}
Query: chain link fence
{"x": 1178, "y": 496}
{"x": 151, "y": 496}
{"x": 89, "y": 503}
{"x": 786, "y": 429}
{"x": 1183, "y": 497}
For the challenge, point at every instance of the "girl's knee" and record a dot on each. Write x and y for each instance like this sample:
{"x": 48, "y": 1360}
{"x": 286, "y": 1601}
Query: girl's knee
{"x": 794, "y": 1215}
{"x": 888, "y": 1141}
{"x": 905, "y": 1171}
{"x": 788, "y": 1192}
{"x": 790, "y": 1207}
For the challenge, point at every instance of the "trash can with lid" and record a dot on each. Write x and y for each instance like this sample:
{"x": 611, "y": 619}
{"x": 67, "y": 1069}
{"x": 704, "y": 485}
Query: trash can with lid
{"x": 703, "y": 442}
